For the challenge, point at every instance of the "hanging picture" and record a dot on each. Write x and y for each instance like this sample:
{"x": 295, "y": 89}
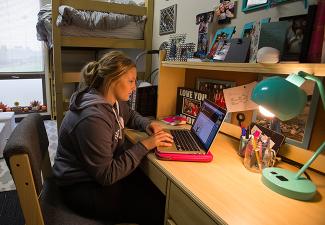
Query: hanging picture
{"x": 214, "y": 90}
{"x": 203, "y": 20}
{"x": 225, "y": 11}
{"x": 297, "y": 130}
{"x": 167, "y": 23}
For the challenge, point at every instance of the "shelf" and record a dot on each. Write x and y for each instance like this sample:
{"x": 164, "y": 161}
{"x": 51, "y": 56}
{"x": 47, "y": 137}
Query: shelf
{"x": 279, "y": 68}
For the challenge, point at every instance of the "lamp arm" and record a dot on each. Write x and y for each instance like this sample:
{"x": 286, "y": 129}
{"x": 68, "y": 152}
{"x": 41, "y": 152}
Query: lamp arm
{"x": 307, "y": 164}
{"x": 318, "y": 82}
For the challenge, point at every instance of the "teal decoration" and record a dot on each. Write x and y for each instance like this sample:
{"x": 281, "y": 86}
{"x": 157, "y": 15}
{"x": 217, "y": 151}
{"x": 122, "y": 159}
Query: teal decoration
{"x": 268, "y": 4}
{"x": 284, "y": 182}
{"x": 280, "y": 97}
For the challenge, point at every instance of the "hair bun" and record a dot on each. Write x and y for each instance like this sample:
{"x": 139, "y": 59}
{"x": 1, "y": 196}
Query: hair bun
{"x": 89, "y": 72}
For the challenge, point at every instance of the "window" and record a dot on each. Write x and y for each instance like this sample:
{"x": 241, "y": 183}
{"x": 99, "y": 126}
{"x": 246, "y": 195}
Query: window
{"x": 22, "y": 77}
{"x": 23, "y": 88}
{"x": 20, "y": 51}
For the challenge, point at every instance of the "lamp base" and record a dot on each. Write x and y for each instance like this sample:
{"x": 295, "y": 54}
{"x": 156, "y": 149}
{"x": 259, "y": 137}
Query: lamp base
{"x": 284, "y": 182}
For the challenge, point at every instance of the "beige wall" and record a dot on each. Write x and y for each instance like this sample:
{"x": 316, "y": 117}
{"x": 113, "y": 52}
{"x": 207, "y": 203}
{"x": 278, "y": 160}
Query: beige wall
{"x": 188, "y": 9}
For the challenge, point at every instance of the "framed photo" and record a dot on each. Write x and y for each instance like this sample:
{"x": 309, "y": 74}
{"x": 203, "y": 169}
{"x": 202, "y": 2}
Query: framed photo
{"x": 247, "y": 30}
{"x": 220, "y": 36}
{"x": 297, "y": 130}
{"x": 174, "y": 43}
{"x": 185, "y": 51}
{"x": 214, "y": 90}
{"x": 249, "y": 5}
{"x": 167, "y": 22}
{"x": 294, "y": 37}
{"x": 189, "y": 102}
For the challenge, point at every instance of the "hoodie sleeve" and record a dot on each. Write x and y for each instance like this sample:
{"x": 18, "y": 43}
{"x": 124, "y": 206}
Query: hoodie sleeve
{"x": 132, "y": 118}
{"x": 94, "y": 136}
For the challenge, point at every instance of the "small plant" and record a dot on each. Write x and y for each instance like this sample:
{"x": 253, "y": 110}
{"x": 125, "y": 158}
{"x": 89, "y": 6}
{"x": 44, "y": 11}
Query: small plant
{"x": 35, "y": 103}
{"x": 3, "y": 107}
{"x": 16, "y": 103}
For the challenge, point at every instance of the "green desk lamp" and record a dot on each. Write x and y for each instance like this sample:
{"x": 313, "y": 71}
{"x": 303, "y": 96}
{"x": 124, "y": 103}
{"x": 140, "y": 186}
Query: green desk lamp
{"x": 284, "y": 99}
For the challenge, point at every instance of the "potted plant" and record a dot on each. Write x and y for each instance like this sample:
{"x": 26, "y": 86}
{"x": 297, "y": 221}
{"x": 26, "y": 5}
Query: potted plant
{"x": 3, "y": 107}
{"x": 35, "y": 105}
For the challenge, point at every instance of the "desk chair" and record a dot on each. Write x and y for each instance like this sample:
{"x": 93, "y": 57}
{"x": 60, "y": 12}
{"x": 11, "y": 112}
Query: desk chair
{"x": 26, "y": 154}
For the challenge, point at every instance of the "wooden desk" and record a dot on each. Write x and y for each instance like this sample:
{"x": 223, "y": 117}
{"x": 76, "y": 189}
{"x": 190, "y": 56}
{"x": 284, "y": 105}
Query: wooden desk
{"x": 224, "y": 192}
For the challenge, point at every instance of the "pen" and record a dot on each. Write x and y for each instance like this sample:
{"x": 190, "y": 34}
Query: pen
{"x": 259, "y": 146}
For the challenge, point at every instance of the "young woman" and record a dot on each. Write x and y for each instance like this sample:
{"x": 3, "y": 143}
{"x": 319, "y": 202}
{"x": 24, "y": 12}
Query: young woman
{"x": 95, "y": 169}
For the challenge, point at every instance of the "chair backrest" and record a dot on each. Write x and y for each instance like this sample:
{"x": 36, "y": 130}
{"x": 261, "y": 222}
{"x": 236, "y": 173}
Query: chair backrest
{"x": 26, "y": 154}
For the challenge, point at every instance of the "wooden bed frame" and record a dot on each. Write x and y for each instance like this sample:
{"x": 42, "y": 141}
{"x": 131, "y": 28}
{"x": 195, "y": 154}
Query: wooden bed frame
{"x": 58, "y": 77}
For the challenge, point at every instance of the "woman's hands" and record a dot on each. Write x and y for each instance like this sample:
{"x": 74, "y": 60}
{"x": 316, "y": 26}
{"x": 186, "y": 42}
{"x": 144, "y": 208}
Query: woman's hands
{"x": 154, "y": 127}
{"x": 159, "y": 139}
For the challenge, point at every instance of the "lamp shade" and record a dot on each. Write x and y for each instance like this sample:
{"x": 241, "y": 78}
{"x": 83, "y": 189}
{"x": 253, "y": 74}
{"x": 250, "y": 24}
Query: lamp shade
{"x": 284, "y": 99}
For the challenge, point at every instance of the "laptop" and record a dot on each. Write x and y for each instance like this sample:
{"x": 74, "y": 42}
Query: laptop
{"x": 199, "y": 138}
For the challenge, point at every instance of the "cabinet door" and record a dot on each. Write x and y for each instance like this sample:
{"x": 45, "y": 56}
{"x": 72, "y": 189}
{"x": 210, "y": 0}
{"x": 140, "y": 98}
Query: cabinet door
{"x": 155, "y": 175}
{"x": 184, "y": 211}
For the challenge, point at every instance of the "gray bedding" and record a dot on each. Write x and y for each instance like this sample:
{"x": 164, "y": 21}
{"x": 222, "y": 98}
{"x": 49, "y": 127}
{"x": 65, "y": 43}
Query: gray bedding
{"x": 91, "y": 20}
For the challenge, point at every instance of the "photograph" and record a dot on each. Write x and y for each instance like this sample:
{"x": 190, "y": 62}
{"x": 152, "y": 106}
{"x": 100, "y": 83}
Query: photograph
{"x": 221, "y": 34}
{"x": 190, "y": 107}
{"x": 294, "y": 37}
{"x": 174, "y": 42}
{"x": 297, "y": 130}
{"x": 225, "y": 12}
{"x": 214, "y": 89}
{"x": 222, "y": 50}
{"x": 202, "y": 45}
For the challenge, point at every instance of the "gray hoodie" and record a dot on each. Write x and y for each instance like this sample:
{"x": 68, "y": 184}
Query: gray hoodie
{"x": 89, "y": 147}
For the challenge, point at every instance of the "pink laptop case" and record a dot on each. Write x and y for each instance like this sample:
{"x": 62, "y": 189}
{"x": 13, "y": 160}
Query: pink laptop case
{"x": 184, "y": 157}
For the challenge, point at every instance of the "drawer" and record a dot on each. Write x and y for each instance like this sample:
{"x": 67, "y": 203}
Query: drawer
{"x": 183, "y": 211}
{"x": 155, "y": 175}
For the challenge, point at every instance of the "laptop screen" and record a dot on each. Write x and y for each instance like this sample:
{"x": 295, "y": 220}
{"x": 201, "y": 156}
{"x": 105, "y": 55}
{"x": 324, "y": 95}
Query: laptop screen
{"x": 208, "y": 122}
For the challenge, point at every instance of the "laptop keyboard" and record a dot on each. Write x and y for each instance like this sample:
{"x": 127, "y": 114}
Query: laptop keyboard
{"x": 184, "y": 140}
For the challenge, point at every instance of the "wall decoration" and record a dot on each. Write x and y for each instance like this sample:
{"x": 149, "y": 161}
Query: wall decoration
{"x": 214, "y": 90}
{"x": 185, "y": 51}
{"x": 218, "y": 40}
{"x": 203, "y": 20}
{"x": 297, "y": 130}
{"x": 251, "y": 5}
{"x": 188, "y": 103}
{"x": 174, "y": 41}
{"x": 225, "y": 11}
{"x": 167, "y": 23}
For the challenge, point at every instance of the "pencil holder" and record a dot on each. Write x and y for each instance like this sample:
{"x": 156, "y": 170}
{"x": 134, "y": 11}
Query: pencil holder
{"x": 258, "y": 156}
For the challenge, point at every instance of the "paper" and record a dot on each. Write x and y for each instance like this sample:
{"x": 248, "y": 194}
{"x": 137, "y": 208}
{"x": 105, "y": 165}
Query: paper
{"x": 239, "y": 98}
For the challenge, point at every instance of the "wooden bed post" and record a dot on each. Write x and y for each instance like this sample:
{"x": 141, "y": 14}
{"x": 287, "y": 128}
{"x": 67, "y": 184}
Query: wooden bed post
{"x": 148, "y": 35}
{"x": 57, "y": 65}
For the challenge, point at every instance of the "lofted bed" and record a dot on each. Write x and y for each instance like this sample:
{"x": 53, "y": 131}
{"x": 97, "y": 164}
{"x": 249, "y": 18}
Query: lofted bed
{"x": 117, "y": 39}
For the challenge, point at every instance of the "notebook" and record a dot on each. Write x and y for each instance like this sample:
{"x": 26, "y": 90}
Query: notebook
{"x": 201, "y": 135}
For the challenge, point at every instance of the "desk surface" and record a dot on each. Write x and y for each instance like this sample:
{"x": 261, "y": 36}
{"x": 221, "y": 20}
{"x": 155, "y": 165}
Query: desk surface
{"x": 228, "y": 192}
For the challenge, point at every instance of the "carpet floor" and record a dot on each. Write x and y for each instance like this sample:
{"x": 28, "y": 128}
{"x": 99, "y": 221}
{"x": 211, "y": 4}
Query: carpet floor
{"x": 10, "y": 211}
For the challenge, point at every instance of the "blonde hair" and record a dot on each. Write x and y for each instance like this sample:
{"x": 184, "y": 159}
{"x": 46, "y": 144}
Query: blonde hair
{"x": 100, "y": 74}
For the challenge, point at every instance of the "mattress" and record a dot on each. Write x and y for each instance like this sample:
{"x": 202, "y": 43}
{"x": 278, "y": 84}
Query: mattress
{"x": 79, "y": 23}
